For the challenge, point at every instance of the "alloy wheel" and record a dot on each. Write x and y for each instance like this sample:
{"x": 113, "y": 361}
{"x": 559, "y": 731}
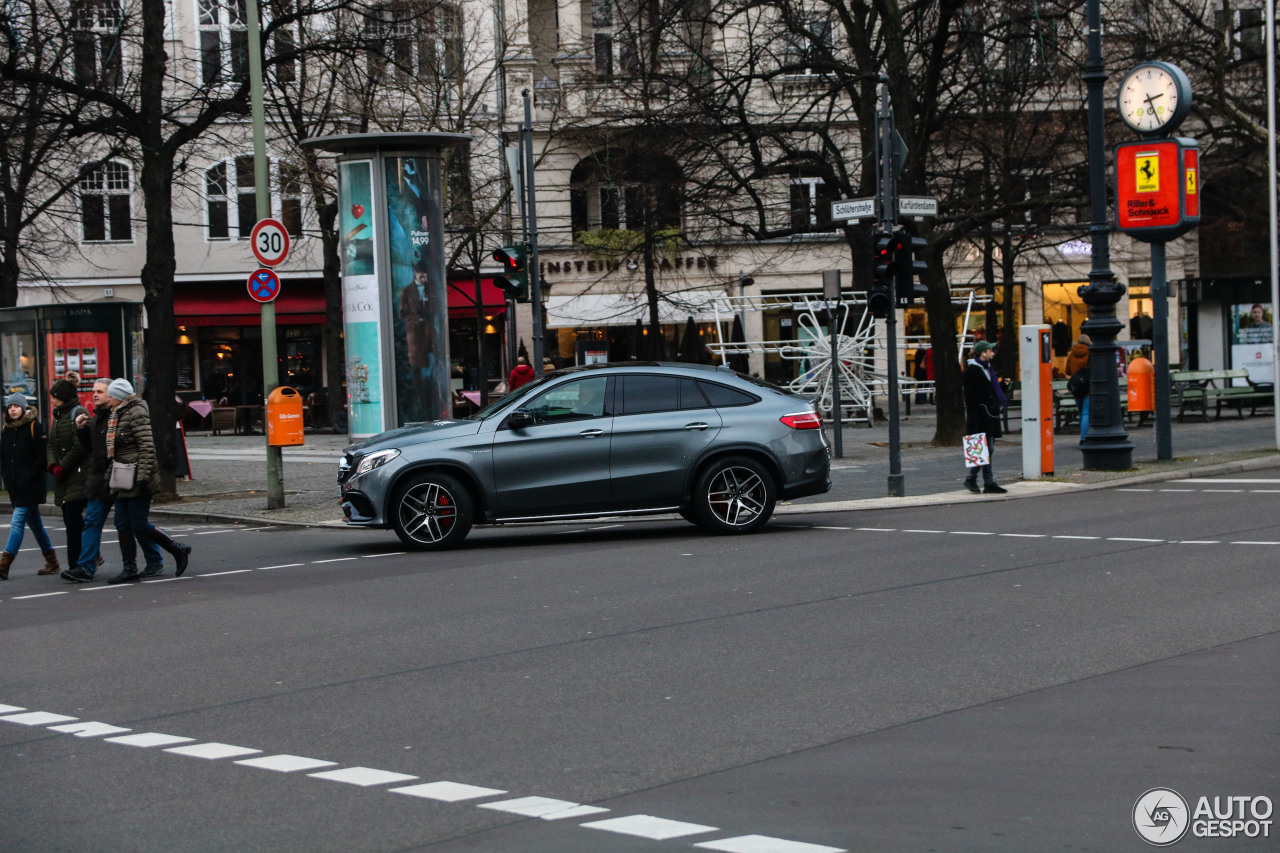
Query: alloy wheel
{"x": 428, "y": 512}
{"x": 736, "y": 496}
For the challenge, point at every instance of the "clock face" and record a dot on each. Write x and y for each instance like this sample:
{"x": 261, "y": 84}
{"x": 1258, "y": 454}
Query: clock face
{"x": 1151, "y": 99}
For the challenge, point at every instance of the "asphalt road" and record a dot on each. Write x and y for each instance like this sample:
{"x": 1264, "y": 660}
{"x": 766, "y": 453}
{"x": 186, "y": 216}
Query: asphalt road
{"x": 1004, "y": 676}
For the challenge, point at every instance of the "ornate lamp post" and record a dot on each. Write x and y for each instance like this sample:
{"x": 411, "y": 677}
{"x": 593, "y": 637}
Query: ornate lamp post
{"x": 1107, "y": 446}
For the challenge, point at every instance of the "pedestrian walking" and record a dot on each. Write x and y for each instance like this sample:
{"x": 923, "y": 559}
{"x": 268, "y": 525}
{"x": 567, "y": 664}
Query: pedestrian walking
{"x": 66, "y": 457}
{"x": 1079, "y": 355}
{"x": 521, "y": 374}
{"x": 984, "y": 401}
{"x": 22, "y": 465}
{"x": 129, "y": 440}
{"x": 91, "y": 431}
{"x": 1078, "y": 386}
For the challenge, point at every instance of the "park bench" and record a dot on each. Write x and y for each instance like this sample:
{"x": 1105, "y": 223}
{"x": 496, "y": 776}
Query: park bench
{"x": 1065, "y": 410}
{"x": 1198, "y": 390}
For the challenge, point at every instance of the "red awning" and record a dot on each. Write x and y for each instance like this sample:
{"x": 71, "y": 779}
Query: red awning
{"x": 229, "y": 304}
{"x": 300, "y": 302}
{"x": 462, "y": 297}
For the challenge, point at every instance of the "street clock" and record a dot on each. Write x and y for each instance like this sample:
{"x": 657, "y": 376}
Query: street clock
{"x": 1154, "y": 98}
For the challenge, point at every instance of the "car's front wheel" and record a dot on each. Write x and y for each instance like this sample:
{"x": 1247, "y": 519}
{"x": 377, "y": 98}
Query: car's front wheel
{"x": 734, "y": 495}
{"x": 432, "y": 512}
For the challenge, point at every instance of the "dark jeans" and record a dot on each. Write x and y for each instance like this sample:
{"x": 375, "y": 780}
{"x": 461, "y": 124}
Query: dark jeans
{"x": 95, "y": 515}
{"x": 132, "y": 524}
{"x": 73, "y": 519}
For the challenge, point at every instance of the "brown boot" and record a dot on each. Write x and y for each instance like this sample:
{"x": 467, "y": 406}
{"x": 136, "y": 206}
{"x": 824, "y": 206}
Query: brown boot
{"x": 6, "y": 560}
{"x": 51, "y": 566}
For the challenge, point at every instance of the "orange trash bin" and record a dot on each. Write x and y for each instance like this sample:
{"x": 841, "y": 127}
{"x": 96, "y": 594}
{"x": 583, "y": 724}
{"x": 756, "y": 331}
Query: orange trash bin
{"x": 284, "y": 417}
{"x": 1142, "y": 385}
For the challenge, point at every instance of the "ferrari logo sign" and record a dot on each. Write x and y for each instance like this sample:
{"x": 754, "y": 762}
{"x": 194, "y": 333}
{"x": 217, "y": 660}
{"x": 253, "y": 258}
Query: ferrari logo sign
{"x": 1191, "y": 181}
{"x": 1147, "y": 172}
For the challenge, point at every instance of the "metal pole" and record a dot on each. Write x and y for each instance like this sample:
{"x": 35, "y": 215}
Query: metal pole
{"x": 535, "y": 274}
{"x": 262, "y": 192}
{"x": 1271, "y": 201}
{"x": 1160, "y": 346}
{"x": 888, "y": 218}
{"x": 1107, "y": 446}
{"x": 831, "y": 293}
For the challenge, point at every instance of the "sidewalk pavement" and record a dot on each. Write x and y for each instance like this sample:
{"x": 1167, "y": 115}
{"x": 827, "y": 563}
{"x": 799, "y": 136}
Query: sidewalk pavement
{"x": 230, "y": 479}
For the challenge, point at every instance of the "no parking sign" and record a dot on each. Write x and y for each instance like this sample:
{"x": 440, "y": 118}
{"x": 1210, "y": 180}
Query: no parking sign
{"x": 264, "y": 285}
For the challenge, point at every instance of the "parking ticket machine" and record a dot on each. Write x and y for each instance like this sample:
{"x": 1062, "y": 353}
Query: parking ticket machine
{"x": 1037, "y": 402}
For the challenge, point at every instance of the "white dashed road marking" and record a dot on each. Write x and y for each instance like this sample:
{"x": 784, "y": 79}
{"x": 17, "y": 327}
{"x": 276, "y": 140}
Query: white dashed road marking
{"x": 362, "y": 776}
{"x": 212, "y": 751}
{"x": 545, "y": 808}
{"x": 647, "y": 826}
{"x": 286, "y": 763}
{"x": 764, "y": 844}
{"x": 448, "y": 792}
{"x": 146, "y": 740}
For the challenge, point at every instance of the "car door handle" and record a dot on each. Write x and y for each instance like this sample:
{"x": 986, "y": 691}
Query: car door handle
{"x": 591, "y": 433}
{"x": 697, "y": 426}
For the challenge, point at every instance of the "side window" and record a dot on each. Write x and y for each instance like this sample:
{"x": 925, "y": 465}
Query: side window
{"x": 690, "y": 396}
{"x": 722, "y": 396}
{"x": 572, "y": 401}
{"x": 642, "y": 394}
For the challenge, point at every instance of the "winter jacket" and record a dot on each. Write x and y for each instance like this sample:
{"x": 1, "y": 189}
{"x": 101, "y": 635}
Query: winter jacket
{"x": 22, "y": 465}
{"x": 1077, "y": 358}
{"x": 521, "y": 375}
{"x": 136, "y": 444}
{"x": 66, "y": 452}
{"x": 982, "y": 408}
{"x": 93, "y": 438}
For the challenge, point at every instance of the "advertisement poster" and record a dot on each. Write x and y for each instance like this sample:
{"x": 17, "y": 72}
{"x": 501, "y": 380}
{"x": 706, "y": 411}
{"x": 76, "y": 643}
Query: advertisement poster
{"x": 420, "y": 304}
{"x": 1251, "y": 332}
{"x": 85, "y": 353}
{"x": 360, "y": 304}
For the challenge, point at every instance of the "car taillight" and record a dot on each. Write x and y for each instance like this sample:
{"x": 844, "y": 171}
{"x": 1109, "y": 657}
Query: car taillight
{"x": 803, "y": 420}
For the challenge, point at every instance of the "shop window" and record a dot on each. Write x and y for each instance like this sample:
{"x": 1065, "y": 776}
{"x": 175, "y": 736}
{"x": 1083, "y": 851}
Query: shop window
{"x": 105, "y": 209}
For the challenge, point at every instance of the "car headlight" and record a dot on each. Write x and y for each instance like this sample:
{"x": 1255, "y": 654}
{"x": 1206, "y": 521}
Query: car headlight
{"x": 375, "y": 460}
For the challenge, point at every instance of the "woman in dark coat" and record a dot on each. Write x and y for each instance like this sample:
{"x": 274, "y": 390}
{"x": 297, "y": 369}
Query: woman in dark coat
{"x": 984, "y": 401}
{"x": 22, "y": 465}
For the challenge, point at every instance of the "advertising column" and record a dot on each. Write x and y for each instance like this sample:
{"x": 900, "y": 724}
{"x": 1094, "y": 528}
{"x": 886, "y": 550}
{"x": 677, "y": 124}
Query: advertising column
{"x": 361, "y": 305}
{"x": 420, "y": 311}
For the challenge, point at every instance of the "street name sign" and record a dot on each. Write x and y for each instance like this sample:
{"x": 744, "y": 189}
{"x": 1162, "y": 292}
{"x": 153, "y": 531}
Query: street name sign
{"x": 854, "y": 208}
{"x": 909, "y": 205}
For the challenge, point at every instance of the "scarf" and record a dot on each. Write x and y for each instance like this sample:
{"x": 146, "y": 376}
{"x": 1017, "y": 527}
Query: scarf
{"x": 111, "y": 426}
{"x": 991, "y": 375}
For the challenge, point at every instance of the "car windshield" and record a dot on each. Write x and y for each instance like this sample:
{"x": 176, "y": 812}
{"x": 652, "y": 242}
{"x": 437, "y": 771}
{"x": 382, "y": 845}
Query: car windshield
{"x": 506, "y": 399}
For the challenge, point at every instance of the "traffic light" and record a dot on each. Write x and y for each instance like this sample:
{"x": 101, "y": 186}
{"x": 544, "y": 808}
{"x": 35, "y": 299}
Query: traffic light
{"x": 878, "y": 296}
{"x": 907, "y": 264}
{"x": 514, "y": 279}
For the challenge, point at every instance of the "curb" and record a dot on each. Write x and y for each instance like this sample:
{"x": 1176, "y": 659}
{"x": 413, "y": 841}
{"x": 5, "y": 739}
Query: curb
{"x": 1018, "y": 490}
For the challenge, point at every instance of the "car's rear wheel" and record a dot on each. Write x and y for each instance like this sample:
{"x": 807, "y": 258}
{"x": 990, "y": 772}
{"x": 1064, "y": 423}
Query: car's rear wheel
{"x": 734, "y": 495}
{"x": 432, "y": 512}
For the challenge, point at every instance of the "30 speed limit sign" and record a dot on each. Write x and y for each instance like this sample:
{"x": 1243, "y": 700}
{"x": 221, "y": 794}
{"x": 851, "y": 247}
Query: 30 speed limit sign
{"x": 270, "y": 242}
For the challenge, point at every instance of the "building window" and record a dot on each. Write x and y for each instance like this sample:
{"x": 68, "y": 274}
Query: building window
{"x": 224, "y": 41}
{"x": 414, "y": 39}
{"x": 808, "y": 47}
{"x": 1242, "y": 30}
{"x": 626, "y": 192}
{"x": 231, "y": 196}
{"x": 810, "y": 206}
{"x": 96, "y": 43}
{"x": 291, "y": 199}
{"x": 104, "y": 203}
{"x": 613, "y": 40}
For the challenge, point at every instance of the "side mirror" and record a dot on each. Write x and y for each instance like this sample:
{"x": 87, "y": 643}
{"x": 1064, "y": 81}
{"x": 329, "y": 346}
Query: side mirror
{"x": 519, "y": 419}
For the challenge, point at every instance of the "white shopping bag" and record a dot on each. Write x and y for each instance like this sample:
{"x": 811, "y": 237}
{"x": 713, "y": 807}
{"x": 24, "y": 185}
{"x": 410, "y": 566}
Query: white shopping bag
{"x": 976, "y": 452}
